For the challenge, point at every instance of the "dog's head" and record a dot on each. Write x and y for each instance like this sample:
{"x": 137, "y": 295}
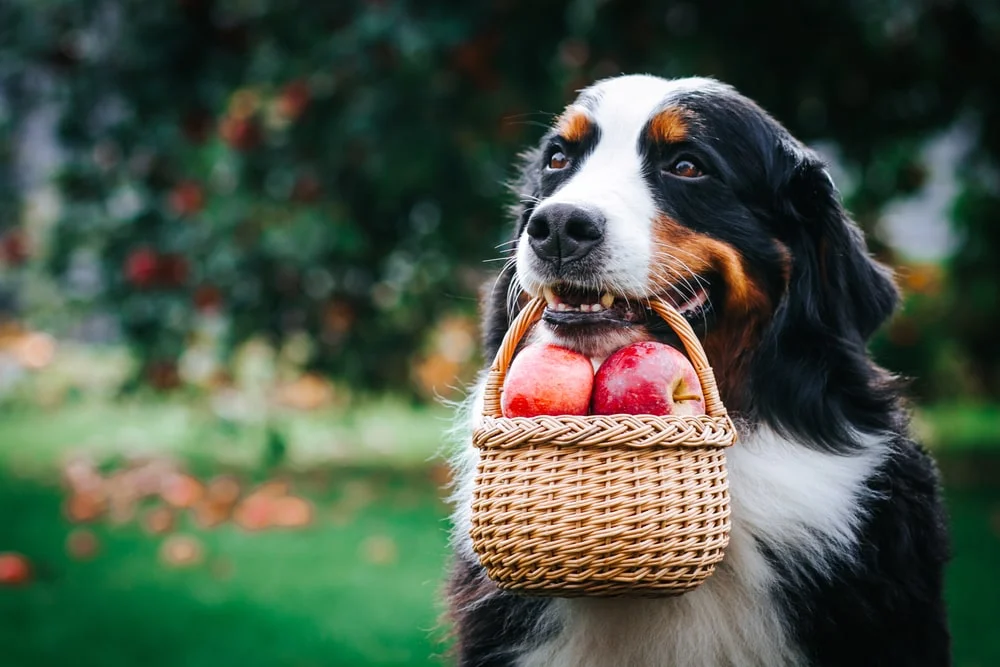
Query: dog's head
{"x": 687, "y": 191}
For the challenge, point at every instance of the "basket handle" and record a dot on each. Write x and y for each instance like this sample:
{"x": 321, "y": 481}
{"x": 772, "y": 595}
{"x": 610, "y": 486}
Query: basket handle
{"x": 532, "y": 312}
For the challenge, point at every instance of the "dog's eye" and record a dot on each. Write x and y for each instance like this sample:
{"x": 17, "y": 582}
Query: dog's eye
{"x": 685, "y": 168}
{"x": 558, "y": 160}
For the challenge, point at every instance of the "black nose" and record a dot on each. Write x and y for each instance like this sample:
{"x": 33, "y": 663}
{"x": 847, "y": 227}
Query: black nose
{"x": 564, "y": 232}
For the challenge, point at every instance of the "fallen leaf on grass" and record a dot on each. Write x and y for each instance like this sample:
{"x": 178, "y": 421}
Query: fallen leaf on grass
{"x": 159, "y": 520}
{"x": 440, "y": 474}
{"x": 253, "y": 512}
{"x": 291, "y": 512}
{"x": 223, "y": 489}
{"x": 15, "y": 569}
{"x": 379, "y": 549}
{"x": 181, "y": 551}
{"x": 181, "y": 490}
{"x": 84, "y": 507}
{"x": 209, "y": 514}
{"x": 82, "y": 544}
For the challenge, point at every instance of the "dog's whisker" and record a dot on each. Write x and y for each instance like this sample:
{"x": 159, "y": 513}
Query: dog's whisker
{"x": 506, "y": 267}
{"x": 704, "y": 287}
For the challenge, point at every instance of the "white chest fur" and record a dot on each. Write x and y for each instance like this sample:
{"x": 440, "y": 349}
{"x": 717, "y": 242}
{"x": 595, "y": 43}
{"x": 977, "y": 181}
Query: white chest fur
{"x": 803, "y": 503}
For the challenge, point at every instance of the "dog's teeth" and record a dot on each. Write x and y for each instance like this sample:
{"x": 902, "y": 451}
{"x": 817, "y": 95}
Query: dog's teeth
{"x": 596, "y": 307}
{"x": 562, "y": 306}
{"x": 607, "y": 299}
{"x": 550, "y": 296}
{"x": 584, "y": 307}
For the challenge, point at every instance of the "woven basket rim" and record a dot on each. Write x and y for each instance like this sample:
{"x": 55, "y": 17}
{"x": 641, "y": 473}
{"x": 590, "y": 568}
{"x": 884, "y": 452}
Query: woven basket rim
{"x": 619, "y": 430}
{"x": 531, "y": 314}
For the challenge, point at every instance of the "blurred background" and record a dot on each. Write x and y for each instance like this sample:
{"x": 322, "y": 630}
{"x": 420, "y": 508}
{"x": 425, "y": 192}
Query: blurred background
{"x": 240, "y": 248}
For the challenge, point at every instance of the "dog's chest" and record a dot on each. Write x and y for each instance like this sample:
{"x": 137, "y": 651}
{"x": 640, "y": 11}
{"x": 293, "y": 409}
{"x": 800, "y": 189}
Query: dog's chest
{"x": 802, "y": 503}
{"x": 730, "y": 620}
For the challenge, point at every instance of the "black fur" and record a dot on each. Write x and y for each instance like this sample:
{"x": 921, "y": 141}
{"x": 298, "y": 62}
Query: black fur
{"x": 887, "y": 608}
{"x": 811, "y": 378}
{"x": 494, "y": 625}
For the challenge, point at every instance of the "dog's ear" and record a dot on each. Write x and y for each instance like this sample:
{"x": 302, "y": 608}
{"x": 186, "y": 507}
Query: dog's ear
{"x": 495, "y": 299}
{"x": 836, "y": 279}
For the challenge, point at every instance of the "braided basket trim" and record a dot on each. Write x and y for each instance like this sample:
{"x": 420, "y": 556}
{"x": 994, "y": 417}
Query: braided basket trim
{"x": 577, "y": 521}
{"x": 604, "y": 431}
{"x": 601, "y": 505}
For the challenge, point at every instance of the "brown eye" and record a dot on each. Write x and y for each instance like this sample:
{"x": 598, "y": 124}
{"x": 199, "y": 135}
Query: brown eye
{"x": 558, "y": 160}
{"x": 685, "y": 169}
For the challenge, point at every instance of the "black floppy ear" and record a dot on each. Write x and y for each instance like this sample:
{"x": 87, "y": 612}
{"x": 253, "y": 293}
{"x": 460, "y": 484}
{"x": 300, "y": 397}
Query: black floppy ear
{"x": 838, "y": 282}
{"x": 497, "y": 313}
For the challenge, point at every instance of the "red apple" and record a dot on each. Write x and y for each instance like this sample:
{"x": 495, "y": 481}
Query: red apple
{"x": 647, "y": 378}
{"x": 547, "y": 380}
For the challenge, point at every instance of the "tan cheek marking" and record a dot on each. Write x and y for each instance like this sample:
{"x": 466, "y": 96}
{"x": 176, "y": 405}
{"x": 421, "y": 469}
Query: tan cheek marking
{"x": 669, "y": 126}
{"x": 702, "y": 254}
{"x": 573, "y": 125}
{"x": 744, "y": 313}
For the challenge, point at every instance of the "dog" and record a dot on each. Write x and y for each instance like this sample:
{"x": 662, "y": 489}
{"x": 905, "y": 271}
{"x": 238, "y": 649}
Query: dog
{"x": 688, "y": 191}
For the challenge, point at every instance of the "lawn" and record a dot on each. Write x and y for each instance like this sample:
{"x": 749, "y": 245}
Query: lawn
{"x": 357, "y": 586}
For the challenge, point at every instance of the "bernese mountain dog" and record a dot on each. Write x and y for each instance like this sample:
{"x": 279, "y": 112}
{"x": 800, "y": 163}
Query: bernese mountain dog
{"x": 686, "y": 190}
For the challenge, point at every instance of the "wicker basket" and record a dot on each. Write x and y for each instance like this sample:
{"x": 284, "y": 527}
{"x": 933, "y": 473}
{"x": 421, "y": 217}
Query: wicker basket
{"x": 601, "y": 505}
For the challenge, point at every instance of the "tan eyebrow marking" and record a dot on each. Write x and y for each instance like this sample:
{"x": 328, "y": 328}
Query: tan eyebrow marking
{"x": 669, "y": 126}
{"x": 574, "y": 124}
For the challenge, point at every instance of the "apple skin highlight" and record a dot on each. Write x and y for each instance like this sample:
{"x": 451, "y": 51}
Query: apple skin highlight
{"x": 547, "y": 380}
{"x": 647, "y": 378}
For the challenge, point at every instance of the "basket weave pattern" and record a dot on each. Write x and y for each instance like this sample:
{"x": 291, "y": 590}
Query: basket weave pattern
{"x": 601, "y": 505}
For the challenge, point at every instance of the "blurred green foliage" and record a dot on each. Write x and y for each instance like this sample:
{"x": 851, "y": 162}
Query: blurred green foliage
{"x": 334, "y": 171}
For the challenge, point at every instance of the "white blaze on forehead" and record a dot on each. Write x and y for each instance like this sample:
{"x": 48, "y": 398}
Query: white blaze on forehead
{"x": 611, "y": 178}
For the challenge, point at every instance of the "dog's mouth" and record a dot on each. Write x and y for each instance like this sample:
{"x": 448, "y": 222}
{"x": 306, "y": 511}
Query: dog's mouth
{"x": 571, "y": 306}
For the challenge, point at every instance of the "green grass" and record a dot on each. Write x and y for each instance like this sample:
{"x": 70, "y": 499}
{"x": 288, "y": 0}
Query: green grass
{"x": 973, "y": 584}
{"x": 960, "y": 428}
{"x": 303, "y": 597}
{"x": 384, "y": 433}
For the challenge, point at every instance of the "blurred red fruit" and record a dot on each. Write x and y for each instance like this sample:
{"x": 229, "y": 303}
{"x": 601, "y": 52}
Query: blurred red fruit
{"x": 207, "y": 298}
{"x": 240, "y": 133}
{"x": 141, "y": 267}
{"x": 186, "y": 198}
{"x": 14, "y": 248}
{"x": 14, "y": 569}
{"x": 172, "y": 270}
{"x": 294, "y": 99}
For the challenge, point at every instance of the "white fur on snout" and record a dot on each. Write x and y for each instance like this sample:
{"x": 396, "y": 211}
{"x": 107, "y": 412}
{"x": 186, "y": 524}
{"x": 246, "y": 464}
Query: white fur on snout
{"x": 611, "y": 180}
